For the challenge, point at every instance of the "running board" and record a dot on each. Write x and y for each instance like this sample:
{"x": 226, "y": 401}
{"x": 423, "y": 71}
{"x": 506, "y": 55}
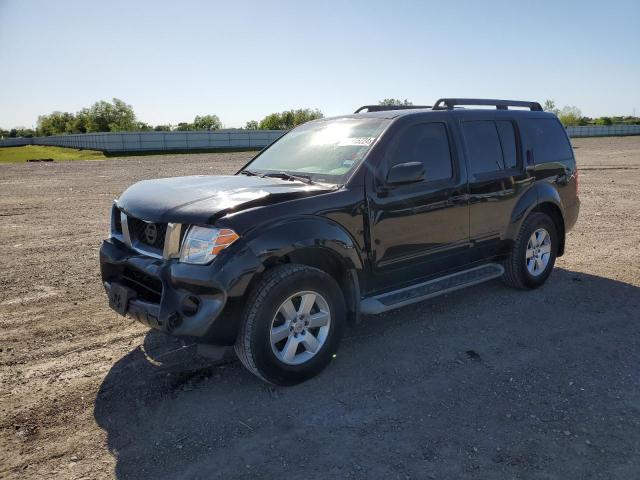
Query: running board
{"x": 432, "y": 288}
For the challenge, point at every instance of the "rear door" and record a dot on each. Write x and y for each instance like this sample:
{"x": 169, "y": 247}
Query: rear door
{"x": 418, "y": 229}
{"x": 497, "y": 177}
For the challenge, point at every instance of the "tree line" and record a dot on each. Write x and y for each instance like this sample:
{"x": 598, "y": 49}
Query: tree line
{"x": 118, "y": 116}
{"x": 571, "y": 116}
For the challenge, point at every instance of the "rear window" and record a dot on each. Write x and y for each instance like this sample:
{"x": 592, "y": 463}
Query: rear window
{"x": 491, "y": 145}
{"x": 547, "y": 139}
{"x": 483, "y": 145}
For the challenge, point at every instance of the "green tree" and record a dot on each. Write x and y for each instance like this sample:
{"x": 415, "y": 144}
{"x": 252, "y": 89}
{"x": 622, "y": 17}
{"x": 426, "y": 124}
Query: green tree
{"x": 162, "y": 128}
{"x": 103, "y": 116}
{"x": 604, "y": 121}
{"x": 21, "y": 132}
{"x": 550, "y": 106}
{"x": 394, "y": 102}
{"x": 56, "y": 123}
{"x": 252, "y": 125}
{"x": 206, "y": 122}
{"x": 184, "y": 126}
{"x": 570, "y": 116}
{"x": 288, "y": 119}
{"x": 79, "y": 122}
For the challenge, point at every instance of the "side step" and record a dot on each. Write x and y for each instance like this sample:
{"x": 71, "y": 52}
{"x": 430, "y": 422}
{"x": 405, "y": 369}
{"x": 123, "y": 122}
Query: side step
{"x": 432, "y": 288}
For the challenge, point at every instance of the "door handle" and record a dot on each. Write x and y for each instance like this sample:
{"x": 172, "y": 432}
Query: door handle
{"x": 456, "y": 199}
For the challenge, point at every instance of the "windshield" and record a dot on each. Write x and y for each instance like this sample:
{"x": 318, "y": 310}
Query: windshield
{"x": 324, "y": 151}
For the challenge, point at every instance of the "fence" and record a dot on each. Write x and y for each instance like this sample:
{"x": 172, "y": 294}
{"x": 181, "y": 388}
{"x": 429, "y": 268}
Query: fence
{"x": 603, "y": 130}
{"x": 13, "y": 142}
{"x": 161, "y": 141}
{"x": 155, "y": 141}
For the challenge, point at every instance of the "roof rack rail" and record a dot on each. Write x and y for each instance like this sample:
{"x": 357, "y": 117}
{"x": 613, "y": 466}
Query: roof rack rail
{"x": 384, "y": 108}
{"x": 450, "y": 103}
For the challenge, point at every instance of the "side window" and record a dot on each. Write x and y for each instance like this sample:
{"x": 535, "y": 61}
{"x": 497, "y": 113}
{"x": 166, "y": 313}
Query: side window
{"x": 508, "y": 142}
{"x": 483, "y": 145}
{"x": 548, "y": 140}
{"x": 427, "y": 143}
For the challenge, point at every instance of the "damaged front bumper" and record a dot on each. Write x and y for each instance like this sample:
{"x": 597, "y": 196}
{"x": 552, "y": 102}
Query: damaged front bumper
{"x": 176, "y": 298}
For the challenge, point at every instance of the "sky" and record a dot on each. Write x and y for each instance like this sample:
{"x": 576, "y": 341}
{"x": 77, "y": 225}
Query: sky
{"x": 242, "y": 60}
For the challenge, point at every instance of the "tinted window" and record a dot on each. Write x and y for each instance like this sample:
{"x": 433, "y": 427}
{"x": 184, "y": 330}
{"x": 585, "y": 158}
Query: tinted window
{"x": 483, "y": 146}
{"x": 508, "y": 142}
{"x": 548, "y": 140}
{"x": 427, "y": 143}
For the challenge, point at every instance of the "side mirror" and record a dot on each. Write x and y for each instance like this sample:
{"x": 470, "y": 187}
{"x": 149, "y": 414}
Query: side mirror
{"x": 405, "y": 173}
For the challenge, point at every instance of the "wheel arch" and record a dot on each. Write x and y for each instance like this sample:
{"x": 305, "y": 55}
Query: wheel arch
{"x": 553, "y": 211}
{"x": 542, "y": 198}
{"x": 314, "y": 242}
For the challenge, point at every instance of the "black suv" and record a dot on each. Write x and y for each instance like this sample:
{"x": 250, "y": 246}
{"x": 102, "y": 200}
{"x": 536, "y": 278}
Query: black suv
{"x": 341, "y": 217}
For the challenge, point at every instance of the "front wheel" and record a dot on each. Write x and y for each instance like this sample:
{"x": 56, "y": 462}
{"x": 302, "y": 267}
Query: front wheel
{"x": 292, "y": 324}
{"x": 533, "y": 254}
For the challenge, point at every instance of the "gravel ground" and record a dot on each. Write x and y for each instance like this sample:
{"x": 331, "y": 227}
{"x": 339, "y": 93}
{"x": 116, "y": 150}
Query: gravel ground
{"x": 482, "y": 383}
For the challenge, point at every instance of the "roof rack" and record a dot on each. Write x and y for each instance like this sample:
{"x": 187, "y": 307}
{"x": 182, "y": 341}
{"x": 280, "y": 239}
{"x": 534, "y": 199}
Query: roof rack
{"x": 384, "y": 108}
{"x": 450, "y": 103}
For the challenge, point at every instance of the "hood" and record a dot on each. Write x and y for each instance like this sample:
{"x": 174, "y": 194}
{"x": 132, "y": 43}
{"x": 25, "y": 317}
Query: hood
{"x": 202, "y": 198}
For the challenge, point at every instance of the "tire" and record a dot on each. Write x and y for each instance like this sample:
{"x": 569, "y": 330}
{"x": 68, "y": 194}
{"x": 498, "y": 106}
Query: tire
{"x": 517, "y": 267}
{"x": 271, "y": 330}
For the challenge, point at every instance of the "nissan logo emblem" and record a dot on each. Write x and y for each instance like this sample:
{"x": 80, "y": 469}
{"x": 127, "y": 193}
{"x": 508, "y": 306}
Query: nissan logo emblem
{"x": 151, "y": 233}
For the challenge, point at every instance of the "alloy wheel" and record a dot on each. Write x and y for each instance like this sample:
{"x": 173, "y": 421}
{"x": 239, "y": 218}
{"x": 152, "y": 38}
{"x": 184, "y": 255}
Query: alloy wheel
{"x": 538, "y": 252}
{"x": 300, "y": 327}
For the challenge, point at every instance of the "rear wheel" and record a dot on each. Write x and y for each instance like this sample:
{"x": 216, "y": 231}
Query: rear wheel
{"x": 292, "y": 324}
{"x": 533, "y": 255}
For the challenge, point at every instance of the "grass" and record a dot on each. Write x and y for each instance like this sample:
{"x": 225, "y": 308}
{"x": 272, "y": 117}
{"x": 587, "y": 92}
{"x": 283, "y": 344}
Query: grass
{"x": 38, "y": 152}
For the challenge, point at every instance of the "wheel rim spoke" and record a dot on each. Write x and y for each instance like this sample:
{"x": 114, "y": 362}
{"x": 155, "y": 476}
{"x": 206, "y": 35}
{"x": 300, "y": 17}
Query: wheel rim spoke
{"x": 319, "y": 319}
{"x": 307, "y": 302}
{"x": 545, "y": 249}
{"x": 529, "y": 253}
{"x": 288, "y": 311}
{"x": 289, "y": 351}
{"x": 310, "y": 342}
{"x": 280, "y": 333}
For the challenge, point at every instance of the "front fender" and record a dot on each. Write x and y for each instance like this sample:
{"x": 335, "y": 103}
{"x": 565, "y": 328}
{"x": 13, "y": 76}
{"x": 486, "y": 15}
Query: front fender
{"x": 289, "y": 235}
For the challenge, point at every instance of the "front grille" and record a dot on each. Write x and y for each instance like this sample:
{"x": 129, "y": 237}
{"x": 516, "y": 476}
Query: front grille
{"x": 147, "y": 287}
{"x": 147, "y": 233}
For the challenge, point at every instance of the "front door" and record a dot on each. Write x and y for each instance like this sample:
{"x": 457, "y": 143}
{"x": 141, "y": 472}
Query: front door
{"x": 422, "y": 228}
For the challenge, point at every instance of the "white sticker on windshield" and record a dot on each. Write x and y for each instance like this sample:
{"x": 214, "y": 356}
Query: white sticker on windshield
{"x": 356, "y": 141}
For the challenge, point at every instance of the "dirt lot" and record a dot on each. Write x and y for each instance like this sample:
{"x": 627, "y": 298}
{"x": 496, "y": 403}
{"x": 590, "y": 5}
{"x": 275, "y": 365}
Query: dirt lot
{"x": 552, "y": 390}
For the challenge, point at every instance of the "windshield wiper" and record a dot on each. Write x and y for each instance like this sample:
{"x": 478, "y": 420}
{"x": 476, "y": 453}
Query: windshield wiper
{"x": 248, "y": 172}
{"x": 287, "y": 176}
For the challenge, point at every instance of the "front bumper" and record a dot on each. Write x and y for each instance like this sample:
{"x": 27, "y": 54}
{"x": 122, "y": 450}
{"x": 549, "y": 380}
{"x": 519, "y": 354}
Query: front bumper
{"x": 176, "y": 298}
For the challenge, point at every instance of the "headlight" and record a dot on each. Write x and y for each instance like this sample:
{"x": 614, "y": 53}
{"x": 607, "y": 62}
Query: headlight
{"x": 202, "y": 244}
